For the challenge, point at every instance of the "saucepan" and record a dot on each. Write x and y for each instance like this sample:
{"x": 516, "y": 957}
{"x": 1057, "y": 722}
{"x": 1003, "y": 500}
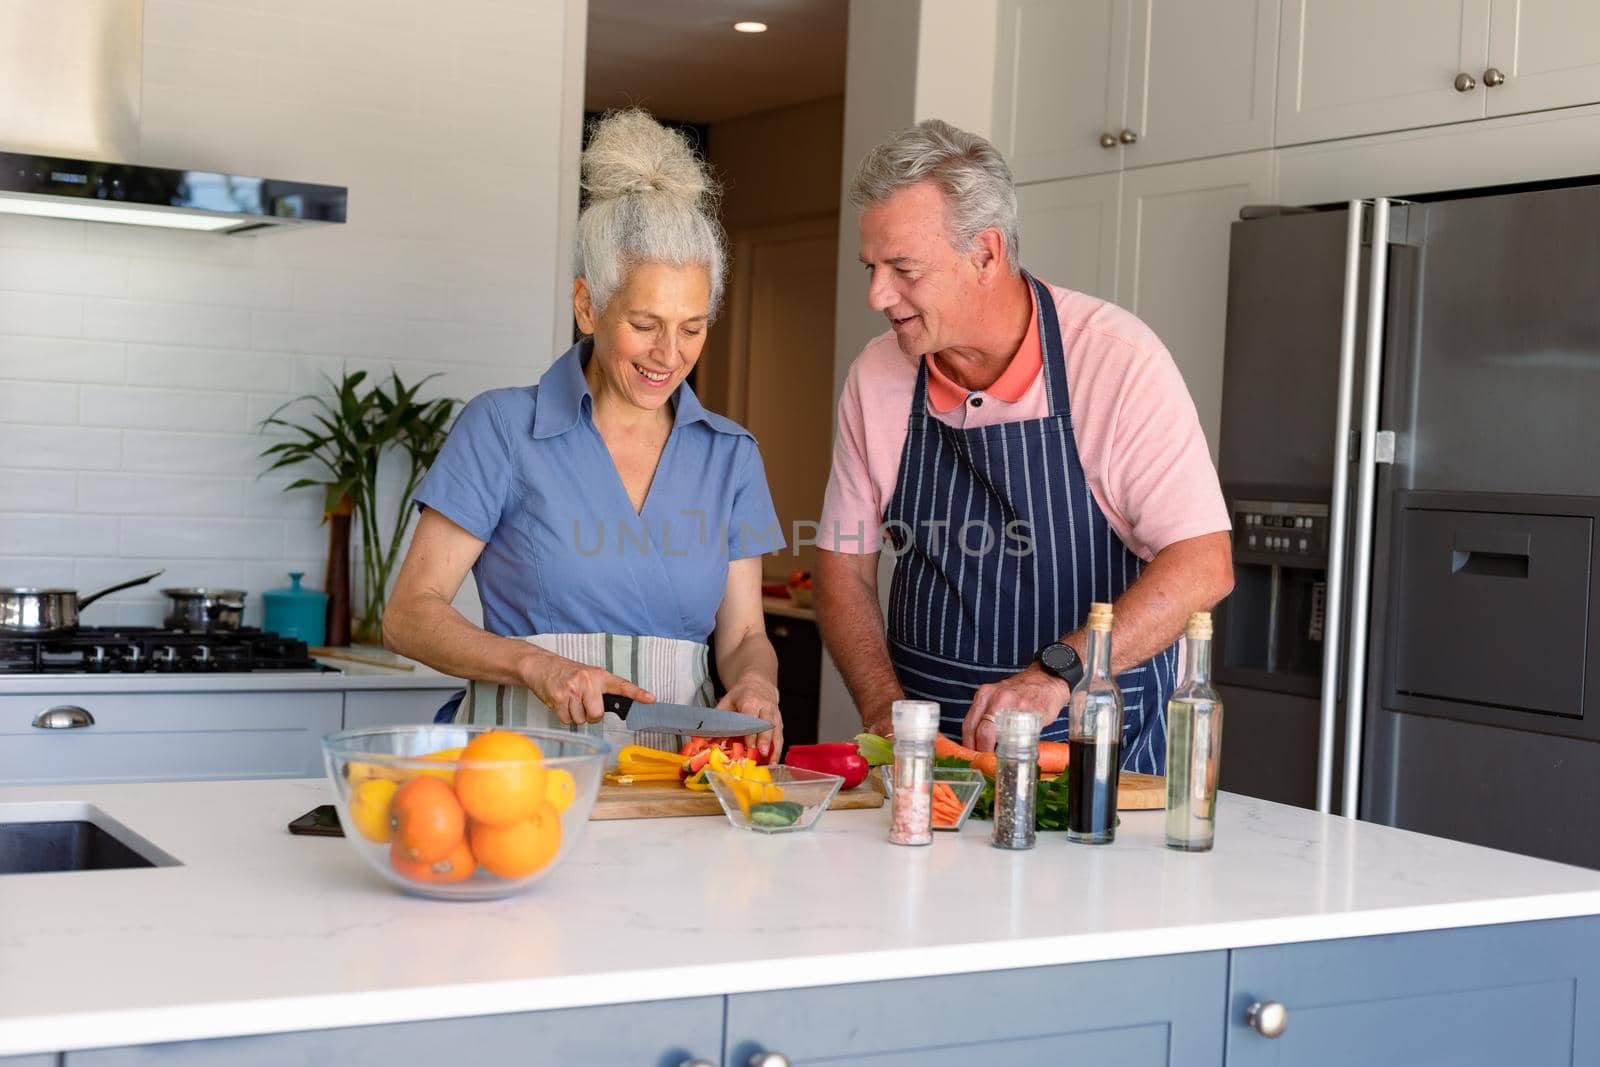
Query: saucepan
{"x": 51, "y": 611}
{"x": 204, "y": 610}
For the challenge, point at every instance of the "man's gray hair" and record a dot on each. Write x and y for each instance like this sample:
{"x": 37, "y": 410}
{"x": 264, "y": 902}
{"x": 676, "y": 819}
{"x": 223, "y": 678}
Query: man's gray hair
{"x": 648, "y": 200}
{"x": 968, "y": 170}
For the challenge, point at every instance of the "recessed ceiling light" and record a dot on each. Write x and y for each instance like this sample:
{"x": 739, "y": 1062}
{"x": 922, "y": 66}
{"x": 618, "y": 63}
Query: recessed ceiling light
{"x": 750, "y": 27}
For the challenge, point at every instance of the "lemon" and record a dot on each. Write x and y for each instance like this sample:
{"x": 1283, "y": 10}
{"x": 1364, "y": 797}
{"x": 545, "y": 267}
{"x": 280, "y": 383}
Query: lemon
{"x": 369, "y": 808}
{"x": 560, "y": 789}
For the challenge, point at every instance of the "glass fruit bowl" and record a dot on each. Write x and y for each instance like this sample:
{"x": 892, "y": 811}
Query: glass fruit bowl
{"x": 794, "y": 799}
{"x": 965, "y": 782}
{"x": 463, "y": 812}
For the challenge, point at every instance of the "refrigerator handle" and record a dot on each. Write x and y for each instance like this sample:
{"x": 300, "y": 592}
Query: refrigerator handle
{"x": 1338, "y": 510}
{"x": 1366, "y": 491}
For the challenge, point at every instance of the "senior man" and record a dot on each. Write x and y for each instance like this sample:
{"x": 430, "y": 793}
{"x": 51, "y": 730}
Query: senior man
{"x": 1022, "y": 450}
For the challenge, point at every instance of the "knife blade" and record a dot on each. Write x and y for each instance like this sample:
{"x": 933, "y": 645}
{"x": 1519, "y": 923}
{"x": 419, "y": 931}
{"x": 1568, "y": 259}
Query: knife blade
{"x": 683, "y": 718}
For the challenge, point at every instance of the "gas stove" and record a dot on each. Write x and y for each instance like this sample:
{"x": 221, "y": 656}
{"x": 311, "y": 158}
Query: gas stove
{"x": 151, "y": 649}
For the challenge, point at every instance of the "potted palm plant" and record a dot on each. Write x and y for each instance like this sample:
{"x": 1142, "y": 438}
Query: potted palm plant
{"x": 344, "y": 437}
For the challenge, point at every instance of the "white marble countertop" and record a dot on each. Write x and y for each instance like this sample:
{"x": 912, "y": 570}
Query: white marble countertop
{"x": 345, "y": 674}
{"x": 260, "y": 931}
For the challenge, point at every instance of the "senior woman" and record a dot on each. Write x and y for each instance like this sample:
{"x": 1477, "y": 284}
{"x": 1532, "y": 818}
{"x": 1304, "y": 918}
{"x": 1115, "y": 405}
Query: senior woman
{"x": 611, "y": 522}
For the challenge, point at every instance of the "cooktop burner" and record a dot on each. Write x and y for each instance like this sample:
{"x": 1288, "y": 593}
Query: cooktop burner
{"x": 141, "y": 649}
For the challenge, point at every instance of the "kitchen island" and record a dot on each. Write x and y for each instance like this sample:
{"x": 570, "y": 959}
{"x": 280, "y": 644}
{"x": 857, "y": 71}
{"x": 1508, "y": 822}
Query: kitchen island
{"x": 678, "y": 940}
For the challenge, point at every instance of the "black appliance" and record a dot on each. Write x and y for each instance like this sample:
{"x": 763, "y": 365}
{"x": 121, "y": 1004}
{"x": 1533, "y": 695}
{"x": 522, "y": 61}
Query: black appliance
{"x": 145, "y": 649}
{"x": 1411, "y": 453}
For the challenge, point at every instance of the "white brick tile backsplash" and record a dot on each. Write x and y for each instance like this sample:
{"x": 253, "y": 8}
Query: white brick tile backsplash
{"x": 497, "y": 23}
{"x": 359, "y": 14}
{"x": 206, "y": 368}
{"x": 36, "y": 491}
{"x": 181, "y": 572}
{"x": 147, "y": 243}
{"x": 26, "y": 231}
{"x": 59, "y": 360}
{"x": 199, "y": 25}
{"x": 306, "y": 540}
{"x": 204, "y": 283}
{"x": 484, "y": 64}
{"x": 263, "y": 577}
{"x": 265, "y": 497}
{"x": 160, "y": 323}
{"x": 200, "y": 69}
{"x": 59, "y": 534}
{"x": 192, "y": 453}
{"x": 501, "y": 306}
{"x": 190, "y": 538}
{"x": 40, "y": 572}
{"x": 349, "y": 294}
{"x": 122, "y": 493}
{"x": 56, "y": 448}
{"x": 38, "y": 402}
{"x": 63, "y": 272}
{"x": 163, "y": 409}
{"x": 443, "y": 344}
{"x": 40, "y": 314}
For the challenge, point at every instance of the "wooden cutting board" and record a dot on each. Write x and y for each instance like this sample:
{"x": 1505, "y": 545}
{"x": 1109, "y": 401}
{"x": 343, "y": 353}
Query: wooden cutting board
{"x": 1141, "y": 792}
{"x": 670, "y": 801}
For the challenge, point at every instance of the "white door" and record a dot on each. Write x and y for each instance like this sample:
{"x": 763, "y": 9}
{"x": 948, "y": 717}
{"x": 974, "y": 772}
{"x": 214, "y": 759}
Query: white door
{"x": 1068, "y": 230}
{"x": 1061, "y": 73}
{"x": 1548, "y": 51}
{"x": 1173, "y": 269}
{"x": 1348, "y": 67}
{"x": 1201, "y": 78}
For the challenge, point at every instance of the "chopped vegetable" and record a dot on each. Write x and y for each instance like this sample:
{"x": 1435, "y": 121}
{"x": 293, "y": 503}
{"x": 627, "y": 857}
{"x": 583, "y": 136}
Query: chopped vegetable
{"x": 776, "y": 813}
{"x": 946, "y": 805}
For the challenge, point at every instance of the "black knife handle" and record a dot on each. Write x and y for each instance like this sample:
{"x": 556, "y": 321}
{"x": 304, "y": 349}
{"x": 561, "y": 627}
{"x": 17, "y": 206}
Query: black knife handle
{"x": 617, "y": 704}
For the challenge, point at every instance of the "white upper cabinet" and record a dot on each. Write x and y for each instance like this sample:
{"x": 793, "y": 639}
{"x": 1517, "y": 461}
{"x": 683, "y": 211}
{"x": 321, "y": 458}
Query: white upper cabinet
{"x": 1069, "y": 232}
{"x": 1089, "y": 86}
{"x": 1349, "y": 67}
{"x": 1546, "y": 51}
{"x": 1201, "y": 78}
{"x": 1061, "y": 73}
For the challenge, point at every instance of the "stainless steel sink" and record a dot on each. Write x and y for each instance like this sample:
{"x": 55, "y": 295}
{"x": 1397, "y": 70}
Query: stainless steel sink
{"x": 70, "y": 836}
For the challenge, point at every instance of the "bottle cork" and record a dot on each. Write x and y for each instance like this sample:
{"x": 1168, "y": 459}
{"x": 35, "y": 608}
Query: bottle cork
{"x": 1100, "y": 617}
{"x": 1199, "y": 626}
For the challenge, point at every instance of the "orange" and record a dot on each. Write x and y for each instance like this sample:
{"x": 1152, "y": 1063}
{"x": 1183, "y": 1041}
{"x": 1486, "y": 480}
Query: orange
{"x": 456, "y": 867}
{"x": 369, "y": 808}
{"x": 520, "y": 848}
{"x": 560, "y": 789}
{"x": 508, "y": 785}
{"x": 427, "y": 820}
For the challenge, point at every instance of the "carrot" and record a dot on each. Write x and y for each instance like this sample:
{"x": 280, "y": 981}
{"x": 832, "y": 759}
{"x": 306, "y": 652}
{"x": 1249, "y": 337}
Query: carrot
{"x": 985, "y": 762}
{"x": 943, "y": 746}
{"x": 1053, "y": 757}
{"x": 943, "y": 794}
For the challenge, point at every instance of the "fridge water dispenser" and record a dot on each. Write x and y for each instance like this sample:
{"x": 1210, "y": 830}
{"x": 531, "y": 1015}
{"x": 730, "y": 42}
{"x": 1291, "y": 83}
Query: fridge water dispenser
{"x": 1271, "y": 628}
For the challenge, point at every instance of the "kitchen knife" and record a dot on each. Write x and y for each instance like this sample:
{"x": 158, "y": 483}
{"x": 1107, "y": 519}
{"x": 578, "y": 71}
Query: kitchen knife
{"x": 682, "y": 718}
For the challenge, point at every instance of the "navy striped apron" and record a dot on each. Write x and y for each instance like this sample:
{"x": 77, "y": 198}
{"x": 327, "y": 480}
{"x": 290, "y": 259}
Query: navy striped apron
{"x": 969, "y": 604}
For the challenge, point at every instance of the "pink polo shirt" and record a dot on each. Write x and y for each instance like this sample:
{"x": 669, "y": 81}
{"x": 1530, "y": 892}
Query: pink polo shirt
{"x": 1138, "y": 436}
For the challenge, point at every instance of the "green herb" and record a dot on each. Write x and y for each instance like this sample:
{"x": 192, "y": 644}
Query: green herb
{"x": 1050, "y": 798}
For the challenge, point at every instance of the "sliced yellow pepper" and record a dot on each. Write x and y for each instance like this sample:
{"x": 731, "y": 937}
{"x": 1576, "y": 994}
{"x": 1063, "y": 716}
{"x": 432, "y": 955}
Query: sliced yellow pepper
{"x": 639, "y": 760}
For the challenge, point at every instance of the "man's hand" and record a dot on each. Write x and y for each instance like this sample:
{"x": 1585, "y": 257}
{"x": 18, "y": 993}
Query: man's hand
{"x": 1030, "y": 689}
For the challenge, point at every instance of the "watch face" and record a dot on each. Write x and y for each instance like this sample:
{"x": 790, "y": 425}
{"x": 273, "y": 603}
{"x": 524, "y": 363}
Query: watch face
{"x": 1058, "y": 658}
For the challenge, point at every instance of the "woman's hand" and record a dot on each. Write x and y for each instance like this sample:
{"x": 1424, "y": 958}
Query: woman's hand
{"x": 573, "y": 690}
{"x": 754, "y": 695}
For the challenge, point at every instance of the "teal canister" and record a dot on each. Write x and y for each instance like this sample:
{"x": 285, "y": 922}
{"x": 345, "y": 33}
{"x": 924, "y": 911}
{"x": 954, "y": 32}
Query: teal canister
{"x": 296, "y": 612}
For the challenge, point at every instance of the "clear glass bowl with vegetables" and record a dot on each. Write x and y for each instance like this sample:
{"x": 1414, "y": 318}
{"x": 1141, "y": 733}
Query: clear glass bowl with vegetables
{"x": 781, "y": 800}
{"x": 955, "y": 793}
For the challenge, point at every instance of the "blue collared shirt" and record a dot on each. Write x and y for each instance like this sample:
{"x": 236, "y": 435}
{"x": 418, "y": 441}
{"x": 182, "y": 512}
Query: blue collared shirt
{"x": 526, "y": 471}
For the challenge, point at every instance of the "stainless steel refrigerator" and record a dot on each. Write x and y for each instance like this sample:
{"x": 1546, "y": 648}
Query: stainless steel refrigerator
{"x": 1410, "y": 449}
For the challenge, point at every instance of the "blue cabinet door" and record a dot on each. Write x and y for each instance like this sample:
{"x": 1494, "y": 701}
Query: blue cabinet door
{"x": 656, "y": 1034}
{"x": 1518, "y": 995}
{"x": 1159, "y": 1012}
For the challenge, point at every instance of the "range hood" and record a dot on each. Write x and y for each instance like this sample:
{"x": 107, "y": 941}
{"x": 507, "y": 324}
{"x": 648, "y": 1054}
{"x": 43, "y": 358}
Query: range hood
{"x": 157, "y": 196}
{"x": 71, "y": 86}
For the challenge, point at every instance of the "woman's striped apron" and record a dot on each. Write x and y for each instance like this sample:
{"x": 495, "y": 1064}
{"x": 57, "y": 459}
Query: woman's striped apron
{"x": 968, "y": 605}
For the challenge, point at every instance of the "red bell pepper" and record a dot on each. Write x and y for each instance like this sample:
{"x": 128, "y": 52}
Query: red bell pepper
{"x": 839, "y": 757}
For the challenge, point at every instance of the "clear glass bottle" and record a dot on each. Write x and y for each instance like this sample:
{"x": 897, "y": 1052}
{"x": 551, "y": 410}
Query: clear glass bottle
{"x": 911, "y": 808}
{"x": 1094, "y": 741}
{"x": 1016, "y": 776}
{"x": 1194, "y": 745}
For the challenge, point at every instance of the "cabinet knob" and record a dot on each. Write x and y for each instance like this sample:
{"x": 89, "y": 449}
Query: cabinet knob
{"x": 1108, "y": 140}
{"x": 1128, "y": 137}
{"x": 1494, "y": 76}
{"x": 768, "y": 1059}
{"x": 1268, "y": 1019}
{"x": 63, "y": 717}
{"x": 1465, "y": 82}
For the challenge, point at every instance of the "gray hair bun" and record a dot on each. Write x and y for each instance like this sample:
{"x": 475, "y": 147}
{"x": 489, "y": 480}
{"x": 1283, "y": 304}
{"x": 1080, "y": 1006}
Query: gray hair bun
{"x": 647, "y": 200}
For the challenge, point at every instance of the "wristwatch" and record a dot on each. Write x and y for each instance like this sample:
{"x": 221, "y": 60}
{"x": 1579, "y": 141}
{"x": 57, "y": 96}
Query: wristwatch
{"x": 1062, "y": 661}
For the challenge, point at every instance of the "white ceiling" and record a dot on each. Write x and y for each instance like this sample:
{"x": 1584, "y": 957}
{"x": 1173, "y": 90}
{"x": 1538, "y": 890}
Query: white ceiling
{"x": 681, "y": 59}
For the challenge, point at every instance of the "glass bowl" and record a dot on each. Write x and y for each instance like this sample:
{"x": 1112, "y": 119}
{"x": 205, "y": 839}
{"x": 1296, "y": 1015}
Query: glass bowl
{"x": 407, "y": 801}
{"x": 794, "y": 800}
{"x": 966, "y": 782}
